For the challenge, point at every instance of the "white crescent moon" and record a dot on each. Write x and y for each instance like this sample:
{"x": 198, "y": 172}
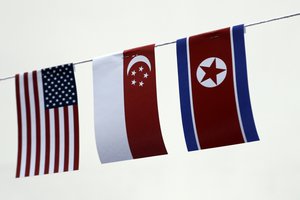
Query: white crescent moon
{"x": 138, "y": 59}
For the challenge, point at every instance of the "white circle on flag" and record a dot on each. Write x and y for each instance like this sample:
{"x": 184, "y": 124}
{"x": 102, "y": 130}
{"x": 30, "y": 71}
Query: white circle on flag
{"x": 216, "y": 77}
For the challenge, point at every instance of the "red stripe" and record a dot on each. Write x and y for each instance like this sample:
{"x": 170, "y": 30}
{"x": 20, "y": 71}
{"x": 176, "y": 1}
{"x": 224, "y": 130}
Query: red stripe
{"x": 141, "y": 113}
{"x": 47, "y": 143}
{"x": 56, "y": 158}
{"x": 76, "y": 137}
{"x": 37, "y": 120}
{"x": 215, "y": 109}
{"x": 17, "y": 84}
{"x": 28, "y": 119}
{"x": 66, "y": 125}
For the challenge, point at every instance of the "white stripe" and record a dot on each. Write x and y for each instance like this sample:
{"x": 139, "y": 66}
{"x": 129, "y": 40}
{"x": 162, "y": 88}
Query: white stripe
{"x": 191, "y": 93}
{"x": 33, "y": 124}
{"x": 52, "y": 140}
{"x": 61, "y": 139}
{"x": 110, "y": 127}
{"x": 24, "y": 127}
{"x": 71, "y": 138}
{"x": 42, "y": 123}
{"x": 235, "y": 87}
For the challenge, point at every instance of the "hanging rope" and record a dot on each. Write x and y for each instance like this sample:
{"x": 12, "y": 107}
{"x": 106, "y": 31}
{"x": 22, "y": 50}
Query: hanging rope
{"x": 173, "y": 42}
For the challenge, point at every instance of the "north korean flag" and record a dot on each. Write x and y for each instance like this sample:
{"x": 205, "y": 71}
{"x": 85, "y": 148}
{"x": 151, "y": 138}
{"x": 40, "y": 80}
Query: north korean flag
{"x": 214, "y": 94}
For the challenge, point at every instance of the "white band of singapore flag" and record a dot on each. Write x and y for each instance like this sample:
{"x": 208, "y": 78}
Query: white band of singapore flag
{"x": 125, "y": 106}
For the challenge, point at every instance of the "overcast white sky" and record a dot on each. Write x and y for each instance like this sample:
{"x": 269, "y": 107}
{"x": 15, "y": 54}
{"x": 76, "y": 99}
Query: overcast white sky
{"x": 39, "y": 33}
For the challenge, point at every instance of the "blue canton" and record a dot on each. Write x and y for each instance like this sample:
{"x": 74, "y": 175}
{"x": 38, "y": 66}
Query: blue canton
{"x": 59, "y": 86}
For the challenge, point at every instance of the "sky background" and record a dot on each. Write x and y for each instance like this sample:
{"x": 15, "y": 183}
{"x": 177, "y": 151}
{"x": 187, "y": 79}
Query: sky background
{"x": 37, "y": 33}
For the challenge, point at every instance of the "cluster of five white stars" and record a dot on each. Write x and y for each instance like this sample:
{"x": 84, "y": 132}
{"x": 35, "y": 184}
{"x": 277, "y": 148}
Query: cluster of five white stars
{"x": 141, "y": 83}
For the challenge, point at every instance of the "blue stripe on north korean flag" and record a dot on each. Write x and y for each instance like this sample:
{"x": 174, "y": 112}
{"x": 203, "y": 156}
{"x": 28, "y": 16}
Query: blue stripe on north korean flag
{"x": 186, "y": 112}
{"x": 242, "y": 83}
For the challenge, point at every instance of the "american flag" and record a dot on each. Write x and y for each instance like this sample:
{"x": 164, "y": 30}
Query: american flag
{"x": 48, "y": 125}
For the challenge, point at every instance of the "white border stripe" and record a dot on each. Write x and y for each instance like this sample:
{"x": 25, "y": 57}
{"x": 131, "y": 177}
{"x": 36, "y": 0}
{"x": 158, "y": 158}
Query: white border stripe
{"x": 71, "y": 138}
{"x": 24, "y": 126}
{"x": 42, "y": 123}
{"x": 61, "y": 139}
{"x": 52, "y": 140}
{"x": 33, "y": 124}
{"x": 235, "y": 87}
{"x": 191, "y": 93}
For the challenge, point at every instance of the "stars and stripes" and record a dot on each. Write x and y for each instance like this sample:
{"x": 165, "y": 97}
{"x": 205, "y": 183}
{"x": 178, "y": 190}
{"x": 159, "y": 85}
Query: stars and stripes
{"x": 48, "y": 126}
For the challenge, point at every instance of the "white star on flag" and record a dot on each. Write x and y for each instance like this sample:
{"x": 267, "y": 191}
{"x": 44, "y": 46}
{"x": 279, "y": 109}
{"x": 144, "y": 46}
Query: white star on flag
{"x": 133, "y": 82}
{"x": 141, "y": 68}
{"x": 146, "y": 75}
{"x": 141, "y": 83}
{"x": 133, "y": 73}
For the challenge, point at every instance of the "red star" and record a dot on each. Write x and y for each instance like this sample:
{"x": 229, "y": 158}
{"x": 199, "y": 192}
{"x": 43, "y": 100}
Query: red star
{"x": 211, "y": 72}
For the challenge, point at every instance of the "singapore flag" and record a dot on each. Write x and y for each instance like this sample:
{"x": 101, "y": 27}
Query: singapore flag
{"x": 214, "y": 94}
{"x": 125, "y": 106}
